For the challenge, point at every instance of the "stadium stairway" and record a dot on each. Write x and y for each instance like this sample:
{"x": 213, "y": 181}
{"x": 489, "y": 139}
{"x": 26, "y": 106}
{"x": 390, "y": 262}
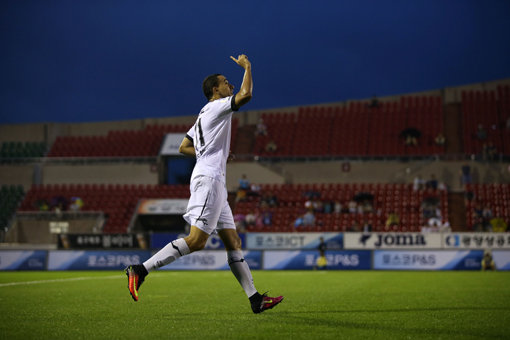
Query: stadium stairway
{"x": 453, "y": 129}
{"x": 457, "y": 211}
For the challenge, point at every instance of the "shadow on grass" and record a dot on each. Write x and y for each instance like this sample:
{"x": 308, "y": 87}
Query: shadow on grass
{"x": 426, "y": 330}
{"x": 403, "y": 310}
{"x": 399, "y": 329}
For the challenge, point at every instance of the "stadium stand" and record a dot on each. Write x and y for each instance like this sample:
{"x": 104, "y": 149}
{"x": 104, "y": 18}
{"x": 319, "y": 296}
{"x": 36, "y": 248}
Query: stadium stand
{"x": 22, "y": 149}
{"x": 120, "y": 143}
{"x": 355, "y": 130}
{"x": 485, "y": 117}
{"x": 485, "y": 202}
{"x": 385, "y": 198}
{"x": 10, "y": 197}
{"x": 118, "y": 201}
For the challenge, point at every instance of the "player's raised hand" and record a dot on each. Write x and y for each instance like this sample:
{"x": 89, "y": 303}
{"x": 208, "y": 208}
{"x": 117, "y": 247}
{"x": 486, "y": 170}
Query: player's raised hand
{"x": 242, "y": 60}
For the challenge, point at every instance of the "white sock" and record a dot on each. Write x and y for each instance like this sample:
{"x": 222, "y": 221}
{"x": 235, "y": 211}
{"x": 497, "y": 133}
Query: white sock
{"x": 241, "y": 271}
{"x": 171, "y": 252}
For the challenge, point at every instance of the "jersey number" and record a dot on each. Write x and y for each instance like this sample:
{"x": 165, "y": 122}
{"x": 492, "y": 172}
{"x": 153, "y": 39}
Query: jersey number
{"x": 200, "y": 133}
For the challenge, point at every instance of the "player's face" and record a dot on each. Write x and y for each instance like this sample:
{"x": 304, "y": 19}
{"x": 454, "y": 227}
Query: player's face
{"x": 225, "y": 89}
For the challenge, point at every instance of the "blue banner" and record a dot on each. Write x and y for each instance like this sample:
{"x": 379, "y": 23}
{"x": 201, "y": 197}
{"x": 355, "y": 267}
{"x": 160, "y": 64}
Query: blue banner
{"x": 501, "y": 259}
{"x": 95, "y": 260}
{"x": 307, "y": 259}
{"x": 23, "y": 259}
{"x": 263, "y": 241}
{"x": 159, "y": 240}
{"x": 428, "y": 260}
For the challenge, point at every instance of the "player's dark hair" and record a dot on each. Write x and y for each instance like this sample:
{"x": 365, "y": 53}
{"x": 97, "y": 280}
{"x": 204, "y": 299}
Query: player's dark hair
{"x": 208, "y": 84}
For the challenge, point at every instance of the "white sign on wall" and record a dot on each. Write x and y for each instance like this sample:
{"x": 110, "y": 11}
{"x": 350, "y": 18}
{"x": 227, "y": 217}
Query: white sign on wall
{"x": 391, "y": 241}
{"x": 171, "y": 144}
{"x": 476, "y": 241}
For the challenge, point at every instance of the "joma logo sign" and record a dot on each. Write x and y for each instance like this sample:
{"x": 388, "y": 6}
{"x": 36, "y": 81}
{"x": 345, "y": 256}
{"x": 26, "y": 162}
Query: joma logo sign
{"x": 395, "y": 240}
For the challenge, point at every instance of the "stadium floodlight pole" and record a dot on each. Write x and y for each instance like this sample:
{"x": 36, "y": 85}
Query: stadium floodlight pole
{"x": 208, "y": 210}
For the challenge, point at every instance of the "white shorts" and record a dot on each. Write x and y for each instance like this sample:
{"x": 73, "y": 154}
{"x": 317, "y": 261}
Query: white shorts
{"x": 208, "y": 208}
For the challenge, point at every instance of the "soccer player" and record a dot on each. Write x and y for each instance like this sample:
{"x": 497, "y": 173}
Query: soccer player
{"x": 208, "y": 211}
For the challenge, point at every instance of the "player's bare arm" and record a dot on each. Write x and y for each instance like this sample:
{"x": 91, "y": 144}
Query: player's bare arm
{"x": 187, "y": 148}
{"x": 245, "y": 92}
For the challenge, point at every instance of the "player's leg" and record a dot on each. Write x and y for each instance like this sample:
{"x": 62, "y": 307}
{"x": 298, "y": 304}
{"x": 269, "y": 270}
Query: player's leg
{"x": 172, "y": 251}
{"x": 195, "y": 241}
{"x": 235, "y": 257}
{"x": 202, "y": 213}
{"x": 238, "y": 265}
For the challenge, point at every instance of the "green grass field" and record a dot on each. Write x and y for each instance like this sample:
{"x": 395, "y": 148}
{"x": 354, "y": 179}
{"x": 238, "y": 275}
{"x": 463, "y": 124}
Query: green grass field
{"x": 211, "y": 305}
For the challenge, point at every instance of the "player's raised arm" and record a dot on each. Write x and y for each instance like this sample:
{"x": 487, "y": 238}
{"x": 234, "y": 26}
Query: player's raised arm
{"x": 245, "y": 92}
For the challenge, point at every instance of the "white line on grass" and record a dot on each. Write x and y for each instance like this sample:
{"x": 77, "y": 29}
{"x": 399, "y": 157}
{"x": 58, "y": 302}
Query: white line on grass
{"x": 56, "y": 280}
{"x": 21, "y": 283}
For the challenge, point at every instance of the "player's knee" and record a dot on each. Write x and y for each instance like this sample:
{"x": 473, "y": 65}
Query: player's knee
{"x": 234, "y": 243}
{"x": 195, "y": 244}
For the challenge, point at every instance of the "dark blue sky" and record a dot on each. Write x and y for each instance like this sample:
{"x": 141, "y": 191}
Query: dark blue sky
{"x": 97, "y": 60}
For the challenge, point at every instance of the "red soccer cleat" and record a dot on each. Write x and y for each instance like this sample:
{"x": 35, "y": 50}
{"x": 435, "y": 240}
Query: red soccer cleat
{"x": 136, "y": 274}
{"x": 265, "y": 302}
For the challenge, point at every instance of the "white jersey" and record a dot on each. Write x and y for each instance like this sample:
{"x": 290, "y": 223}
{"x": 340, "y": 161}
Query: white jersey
{"x": 211, "y": 138}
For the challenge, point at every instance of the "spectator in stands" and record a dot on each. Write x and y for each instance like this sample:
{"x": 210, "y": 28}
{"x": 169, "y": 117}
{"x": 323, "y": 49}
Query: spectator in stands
{"x": 317, "y": 205}
{"x": 312, "y": 194}
{"x": 489, "y": 151}
{"x": 465, "y": 173}
{"x": 270, "y": 199}
{"x": 487, "y": 216}
{"x": 299, "y": 221}
{"x": 241, "y": 195}
{"x": 240, "y": 222}
{"x": 267, "y": 217}
{"x": 308, "y": 204}
{"x": 478, "y": 224}
{"x": 42, "y": 205}
{"x": 392, "y": 219}
{"x": 478, "y": 210}
{"x": 243, "y": 189}
{"x": 508, "y": 122}
{"x": 251, "y": 218}
{"x": 440, "y": 139}
{"x": 254, "y": 190}
{"x": 488, "y": 261}
{"x": 352, "y": 206}
{"x": 498, "y": 225}
{"x": 261, "y": 128}
{"x": 305, "y": 220}
{"x": 328, "y": 206}
{"x": 354, "y": 227}
{"x": 481, "y": 132}
{"x": 431, "y": 183}
{"x": 367, "y": 207}
{"x": 76, "y": 204}
{"x": 434, "y": 222}
{"x": 367, "y": 226}
{"x": 244, "y": 183}
{"x": 411, "y": 136}
{"x": 271, "y": 146}
{"x": 309, "y": 219}
{"x": 59, "y": 203}
{"x": 337, "y": 209}
{"x": 418, "y": 183}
